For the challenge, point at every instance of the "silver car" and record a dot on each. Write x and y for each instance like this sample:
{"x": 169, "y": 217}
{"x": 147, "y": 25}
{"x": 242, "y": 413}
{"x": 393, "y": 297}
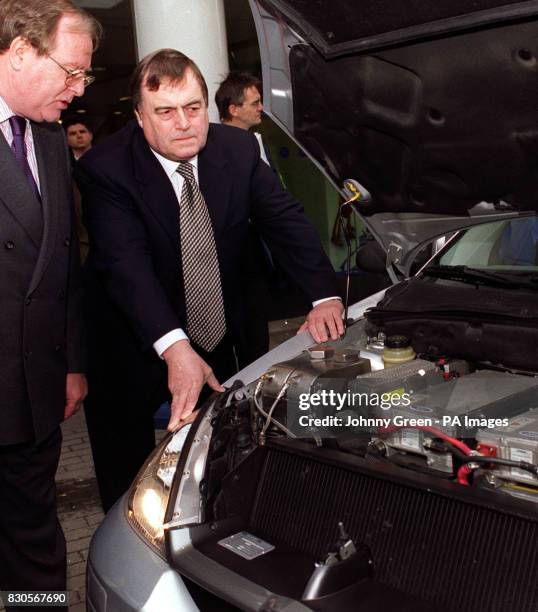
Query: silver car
{"x": 397, "y": 468}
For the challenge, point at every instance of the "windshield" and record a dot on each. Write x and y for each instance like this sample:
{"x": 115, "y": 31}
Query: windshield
{"x": 510, "y": 245}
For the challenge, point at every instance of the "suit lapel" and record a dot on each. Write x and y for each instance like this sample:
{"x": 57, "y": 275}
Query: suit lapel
{"x": 17, "y": 195}
{"x": 51, "y": 200}
{"x": 156, "y": 188}
{"x": 215, "y": 184}
{"x": 158, "y": 193}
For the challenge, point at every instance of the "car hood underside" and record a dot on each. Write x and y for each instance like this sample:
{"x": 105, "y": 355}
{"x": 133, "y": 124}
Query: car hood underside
{"x": 431, "y": 107}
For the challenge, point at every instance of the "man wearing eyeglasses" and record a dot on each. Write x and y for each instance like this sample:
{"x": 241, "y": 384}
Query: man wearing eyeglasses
{"x": 45, "y": 53}
{"x": 239, "y": 100}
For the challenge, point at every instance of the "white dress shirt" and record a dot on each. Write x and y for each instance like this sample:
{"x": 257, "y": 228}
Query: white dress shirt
{"x": 263, "y": 154}
{"x": 5, "y": 114}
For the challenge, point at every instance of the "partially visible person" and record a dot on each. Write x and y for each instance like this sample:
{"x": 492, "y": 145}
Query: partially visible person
{"x": 79, "y": 140}
{"x": 239, "y": 102}
{"x": 45, "y": 53}
{"x": 167, "y": 201}
{"x": 79, "y": 137}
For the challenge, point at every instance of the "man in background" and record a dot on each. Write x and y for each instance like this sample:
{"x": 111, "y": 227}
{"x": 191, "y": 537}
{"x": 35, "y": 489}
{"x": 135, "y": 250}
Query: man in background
{"x": 79, "y": 137}
{"x": 79, "y": 140}
{"x": 239, "y": 102}
{"x": 240, "y": 105}
{"x": 45, "y": 53}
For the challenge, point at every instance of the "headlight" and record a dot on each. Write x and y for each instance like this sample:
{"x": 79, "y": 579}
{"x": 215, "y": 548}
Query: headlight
{"x": 187, "y": 506}
{"x": 151, "y": 490}
{"x": 150, "y": 493}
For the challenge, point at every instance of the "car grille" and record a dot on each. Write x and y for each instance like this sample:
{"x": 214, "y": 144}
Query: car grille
{"x": 460, "y": 555}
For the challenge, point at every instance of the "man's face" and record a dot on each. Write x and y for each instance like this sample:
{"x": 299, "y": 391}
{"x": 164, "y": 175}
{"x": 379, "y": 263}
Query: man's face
{"x": 79, "y": 137}
{"x": 249, "y": 113}
{"x": 174, "y": 118}
{"x": 40, "y": 92}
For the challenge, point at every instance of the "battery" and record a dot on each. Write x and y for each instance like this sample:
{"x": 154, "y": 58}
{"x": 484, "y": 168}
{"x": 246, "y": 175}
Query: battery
{"x": 458, "y": 408}
{"x": 518, "y": 441}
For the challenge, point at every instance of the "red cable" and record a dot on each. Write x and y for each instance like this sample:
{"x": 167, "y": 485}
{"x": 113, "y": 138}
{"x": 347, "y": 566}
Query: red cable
{"x": 454, "y": 441}
{"x": 464, "y": 470}
{"x": 463, "y": 473}
{"x": 438, "y": 434}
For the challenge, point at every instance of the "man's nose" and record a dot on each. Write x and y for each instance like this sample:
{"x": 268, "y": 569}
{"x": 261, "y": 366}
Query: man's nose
{"x": 182, "y": 121}
{"x": 78, "y": 88}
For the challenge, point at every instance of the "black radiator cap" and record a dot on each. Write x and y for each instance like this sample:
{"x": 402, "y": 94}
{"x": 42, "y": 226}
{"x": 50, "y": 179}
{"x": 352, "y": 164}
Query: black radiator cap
{"x": 397, "y": 342}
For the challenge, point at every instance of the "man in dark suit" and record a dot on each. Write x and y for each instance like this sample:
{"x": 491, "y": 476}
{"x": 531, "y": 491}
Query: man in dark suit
{"x": 167, "y": 202}
{"x": 45, "y": 52}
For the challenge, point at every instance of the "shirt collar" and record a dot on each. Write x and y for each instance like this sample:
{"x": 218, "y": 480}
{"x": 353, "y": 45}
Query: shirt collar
{"x": 5, "y": 110}
{"x": 170, "y": 166}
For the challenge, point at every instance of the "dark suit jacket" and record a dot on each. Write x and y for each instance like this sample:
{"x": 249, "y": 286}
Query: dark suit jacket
{"x": 132, "y": 216}
{"x": 40, "y": 289}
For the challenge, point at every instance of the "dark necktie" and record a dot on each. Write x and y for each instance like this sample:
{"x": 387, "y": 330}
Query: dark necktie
{"x": 206, "y": 323}
{"x": 18, "y": 146}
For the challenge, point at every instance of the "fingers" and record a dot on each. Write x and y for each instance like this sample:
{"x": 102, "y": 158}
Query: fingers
{"x": 333, "y": 330}
{"x": 176, "y": 410}
{"x": 176, "y": 423}
{"x": 303, "y": 327}
{"x": 187, "y": 374}
{"x": 183, "y": 403}
{"x": 318, "y": 327}
{"x": 325, "y": 321}
{"x": 214, "y": 383}
{"x": 72, "y": 406}
{"x": 319, "y": 331}
{"x": 340, "y": 325}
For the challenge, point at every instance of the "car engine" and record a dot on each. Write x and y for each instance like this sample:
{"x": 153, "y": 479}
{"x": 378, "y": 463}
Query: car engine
{"x": 379, "y": 478}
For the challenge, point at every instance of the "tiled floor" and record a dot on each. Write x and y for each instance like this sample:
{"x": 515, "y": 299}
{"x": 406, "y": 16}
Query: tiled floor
{"x": 79, "y": 508}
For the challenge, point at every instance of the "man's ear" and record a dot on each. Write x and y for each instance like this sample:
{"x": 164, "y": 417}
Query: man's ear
{"x": 138, "y": 116}
{"x": 18, "y": 50}
{"x": 232, "y": 110}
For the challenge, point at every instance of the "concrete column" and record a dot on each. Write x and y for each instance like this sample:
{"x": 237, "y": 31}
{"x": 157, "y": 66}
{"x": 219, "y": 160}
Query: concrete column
{"x": 194, "y": 27}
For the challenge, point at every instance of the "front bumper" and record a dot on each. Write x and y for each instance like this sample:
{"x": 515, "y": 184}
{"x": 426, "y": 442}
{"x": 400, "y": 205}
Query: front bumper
{"x": 124, "y": 574}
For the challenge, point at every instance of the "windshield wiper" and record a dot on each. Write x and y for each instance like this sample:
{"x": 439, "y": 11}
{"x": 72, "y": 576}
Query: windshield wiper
{"x": 486, "y": 277}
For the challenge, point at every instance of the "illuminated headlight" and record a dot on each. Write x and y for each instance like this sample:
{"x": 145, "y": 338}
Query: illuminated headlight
{"x": 150, "y": 494}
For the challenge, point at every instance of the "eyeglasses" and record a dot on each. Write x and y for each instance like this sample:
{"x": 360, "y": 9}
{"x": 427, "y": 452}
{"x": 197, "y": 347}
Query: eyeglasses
{"x": 74, "y": 77}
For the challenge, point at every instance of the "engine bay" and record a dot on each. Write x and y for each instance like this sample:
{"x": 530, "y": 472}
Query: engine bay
{"x": 353, "y": 477}
{"x": 435, "y": 414}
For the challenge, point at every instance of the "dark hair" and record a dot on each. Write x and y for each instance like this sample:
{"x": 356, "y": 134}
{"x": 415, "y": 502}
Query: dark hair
{"x": 37, "y": 21}
{"x": 232, "y": 91}
{"x": 163, "y": 64}
{"x": 67, "y": 123}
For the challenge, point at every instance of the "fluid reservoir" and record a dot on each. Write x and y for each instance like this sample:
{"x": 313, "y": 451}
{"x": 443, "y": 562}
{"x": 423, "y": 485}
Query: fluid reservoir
{"x": 397, "y": 350}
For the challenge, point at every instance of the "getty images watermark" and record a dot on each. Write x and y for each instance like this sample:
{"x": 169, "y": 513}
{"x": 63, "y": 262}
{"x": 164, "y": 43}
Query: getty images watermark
{"x": 338, "y": 401}
{"x": 332, "y": 412}
{"x": 335, "y": 410}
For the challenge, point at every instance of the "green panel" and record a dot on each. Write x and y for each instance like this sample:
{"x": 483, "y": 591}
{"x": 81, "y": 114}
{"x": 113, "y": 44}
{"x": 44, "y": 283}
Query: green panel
{"x": 303, "y": 179}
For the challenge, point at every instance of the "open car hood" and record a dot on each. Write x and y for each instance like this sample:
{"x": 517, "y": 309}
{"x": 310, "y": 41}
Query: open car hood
{"x": 432, "y": 107}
